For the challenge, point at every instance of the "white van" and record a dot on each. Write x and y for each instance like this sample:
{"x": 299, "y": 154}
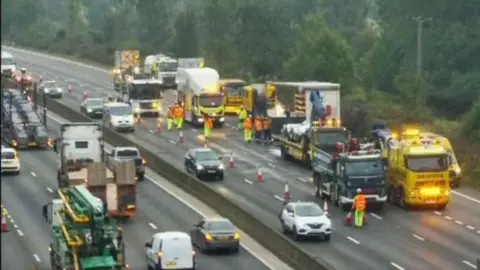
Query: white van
{"x": 8, "y": 64}
{"x": 119, "y": 116}
{"x": 170, "y": 250}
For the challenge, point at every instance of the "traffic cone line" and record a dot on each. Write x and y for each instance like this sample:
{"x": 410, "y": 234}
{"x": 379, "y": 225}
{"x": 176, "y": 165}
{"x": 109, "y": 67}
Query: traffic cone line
{"x": 325, "y": 208}
{"x": 232, "y": 162}
{"x": 4, "y": 222}
{"x": 286, "y": 193}
{"x": 181, "y": 139}
{"x": 260, "y": 176}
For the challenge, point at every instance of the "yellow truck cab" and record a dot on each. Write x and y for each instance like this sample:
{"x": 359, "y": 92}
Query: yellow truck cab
{"x": 455, "y": 170}
{"x": 418, "y": 173}
{"x": 260, "y": 95}
{"x": 233, "y": 90}
{"x": 199, "y": 92}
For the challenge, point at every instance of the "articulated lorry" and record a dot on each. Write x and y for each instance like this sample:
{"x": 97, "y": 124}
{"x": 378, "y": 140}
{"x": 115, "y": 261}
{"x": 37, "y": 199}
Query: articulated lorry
{"x": 81, "y": 161}
{"x": 83, "y": 236}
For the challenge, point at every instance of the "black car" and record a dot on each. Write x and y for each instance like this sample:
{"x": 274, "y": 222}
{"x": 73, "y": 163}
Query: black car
{"x": 204, "y": 164}
{"x": 51, "y": 89}
{"x": 92, "y": 107}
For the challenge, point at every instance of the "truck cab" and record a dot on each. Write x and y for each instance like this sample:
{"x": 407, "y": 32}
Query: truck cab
{"x": 418, "y": 174}
{"x": 339, "y": 178}
{"x": 233, "y": 90}
{"x": 144, "y": 96}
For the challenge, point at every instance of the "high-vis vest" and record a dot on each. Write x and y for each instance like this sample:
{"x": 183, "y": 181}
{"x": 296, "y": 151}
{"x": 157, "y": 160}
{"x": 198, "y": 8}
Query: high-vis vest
{"x": 267, "y": 123}
{"x": 209, "y": 122}
{"x": 258, "y": 125}
{"x": 178, "y": 112}
{"x": 248, "y": 124}
{"x": 242, "y": 115}
{"x": 171, "y": 113}
{"x": 360, "y": 202}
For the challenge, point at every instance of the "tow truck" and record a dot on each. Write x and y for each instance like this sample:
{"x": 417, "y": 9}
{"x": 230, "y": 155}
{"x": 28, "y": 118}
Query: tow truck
{"x": 418, "y": 169}
{"x": 83, "y": 236}
{"x": 338, "y": 176}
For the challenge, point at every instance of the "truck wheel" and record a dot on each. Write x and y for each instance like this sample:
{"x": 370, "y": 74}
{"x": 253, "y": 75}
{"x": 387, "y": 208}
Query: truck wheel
{"x": 141, "y": 177}
{"x": 401, "y": 199}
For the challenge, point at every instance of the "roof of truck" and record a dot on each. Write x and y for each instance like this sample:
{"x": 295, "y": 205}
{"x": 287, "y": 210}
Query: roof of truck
{"x": 310, "y": 84}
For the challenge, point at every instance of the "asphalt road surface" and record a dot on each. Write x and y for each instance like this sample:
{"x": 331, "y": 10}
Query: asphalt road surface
{"x": 395, "y": 239}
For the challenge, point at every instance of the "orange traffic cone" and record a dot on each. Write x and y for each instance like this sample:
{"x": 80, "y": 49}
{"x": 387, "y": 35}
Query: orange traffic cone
{"x": 69, "y": 89}
{"x": 181, "y": 139}
{"x": 232, "y": 162}
{"x": 259, "y": 175}
{"x": 286, "y": 193}
{"x": 325, "y": 208}
{"x": 4, "y": 221}
{"x": 159, "y": 126}
{"x": 85, "y": 95}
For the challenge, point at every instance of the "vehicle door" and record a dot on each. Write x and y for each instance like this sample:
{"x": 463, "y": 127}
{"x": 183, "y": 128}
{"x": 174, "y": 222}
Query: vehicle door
{"x": 152, "y": 255}
{"x": 177, "y": 253}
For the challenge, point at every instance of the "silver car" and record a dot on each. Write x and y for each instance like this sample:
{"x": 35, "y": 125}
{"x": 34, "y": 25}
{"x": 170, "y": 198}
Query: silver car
{"x": 215, "y": 234}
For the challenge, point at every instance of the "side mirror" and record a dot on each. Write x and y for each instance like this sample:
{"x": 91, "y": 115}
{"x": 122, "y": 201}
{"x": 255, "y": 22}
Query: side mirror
{"x": 148, "y": 245}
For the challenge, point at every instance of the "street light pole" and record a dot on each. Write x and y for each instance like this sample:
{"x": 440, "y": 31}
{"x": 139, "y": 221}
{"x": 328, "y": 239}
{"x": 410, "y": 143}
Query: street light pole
{"x": 420, "y": 23}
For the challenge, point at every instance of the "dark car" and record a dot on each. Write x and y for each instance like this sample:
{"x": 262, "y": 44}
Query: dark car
{"x": 204, "y": 164}
{"x": 51, "y": 89}
{"x": 92, "y": 107}
{"x": 215, "y": 234}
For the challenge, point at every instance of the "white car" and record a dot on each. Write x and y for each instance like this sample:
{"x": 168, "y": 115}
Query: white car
{"x": 119, "y": 116}
{"x": 10, "y": 161}
{"x": 305, "y": 220}
{"x": 170, "y": 250}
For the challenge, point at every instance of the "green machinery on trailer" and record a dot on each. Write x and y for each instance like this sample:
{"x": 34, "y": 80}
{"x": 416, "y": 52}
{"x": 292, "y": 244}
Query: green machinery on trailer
{"x": 84, "y": 237}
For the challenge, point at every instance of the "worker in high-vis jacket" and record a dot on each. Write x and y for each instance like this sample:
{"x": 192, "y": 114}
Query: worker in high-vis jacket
{"x": 179, "y": 116}
{"x": 247, "y": 129}
{"x": 267, "y": 129}
{"x": 258, "y": 128}
{"x": 242, "y": 115}
{"x": 359, "y": 206}
{"x": 208, "y": 125}
{"x": 170, "y": 117}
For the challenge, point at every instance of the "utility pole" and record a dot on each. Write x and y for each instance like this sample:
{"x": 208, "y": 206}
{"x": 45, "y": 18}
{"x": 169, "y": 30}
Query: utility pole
{"x": 420, "y": 22}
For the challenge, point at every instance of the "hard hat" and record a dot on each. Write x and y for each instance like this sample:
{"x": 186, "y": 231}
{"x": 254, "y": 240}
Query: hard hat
{"x": 359, "y": 190}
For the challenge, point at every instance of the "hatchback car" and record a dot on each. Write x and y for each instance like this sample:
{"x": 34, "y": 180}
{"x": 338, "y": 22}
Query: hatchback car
{"x": 10, "y": 161}
{"x": 204, "y": 163}
{"x": 215, "y": 234}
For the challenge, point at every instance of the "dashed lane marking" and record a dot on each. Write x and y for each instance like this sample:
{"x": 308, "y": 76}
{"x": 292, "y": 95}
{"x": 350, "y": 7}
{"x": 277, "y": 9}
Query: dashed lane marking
{"x": 301, "y": 179}
{"x": 36, "y": 257}
{"x": 353, "y": 240}
{"x": 376, "y": 216}
{"x": 278, "y": 198}
{"x": 247, "y": 181}
{"x": 33, "y": 174}
{"x": 470, "y": 264}
{"x": 397, "y": 266}
{"x": 19, "y": 232}
{"x": 152, "y": 225}
{"x": 419, "y": 237}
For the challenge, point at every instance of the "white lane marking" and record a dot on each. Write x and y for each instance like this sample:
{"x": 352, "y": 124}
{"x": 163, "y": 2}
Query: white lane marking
{"x": 50, "y": 190}
{"x": 33, "y": 174}
{"x": 458, "y": 222}
{"x": 419, "y": 237}
{"x": 36, "y": 257}
{"x": 152, "y": 225}
{"x": 248, "y": 181}
{"x": 12, "y": 220}
{"x": 60, "y": 120}
{"x": 397, "y": 266}
{"x": 437, "y": 213}
{"x": 172, "y": 142}
{"x": 15, "y": 226}
{"x": 278, "y": 198}
{"x": 469, "y": 264}
{"x": 470, "y": 227}
{"x": 301, "y": 179}
{"x": 353, "y": 240}
{"x": 465, "y": 196}
{"x": 448, "y": 217}
{"x": 271, "y": 165}
{"x": 376, "y": 216}
{"x": 19, "y": 232}
{"x": 151, "y": 131}
{"x": 478, "y": 231}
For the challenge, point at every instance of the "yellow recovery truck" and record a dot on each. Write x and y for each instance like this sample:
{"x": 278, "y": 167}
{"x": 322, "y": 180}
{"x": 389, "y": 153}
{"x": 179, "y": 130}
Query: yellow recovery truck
{"x": 233, "y": 90}
{"x": 418, "y": 170}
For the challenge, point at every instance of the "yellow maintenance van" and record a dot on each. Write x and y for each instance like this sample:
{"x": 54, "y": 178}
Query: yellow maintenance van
{"x": 418, "y": 171}
{"x": 199, "y": 92}
{"x": 233, "y": 90}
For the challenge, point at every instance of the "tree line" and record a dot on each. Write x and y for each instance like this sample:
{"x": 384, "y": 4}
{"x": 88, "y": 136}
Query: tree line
{"x": 369, "y": 46}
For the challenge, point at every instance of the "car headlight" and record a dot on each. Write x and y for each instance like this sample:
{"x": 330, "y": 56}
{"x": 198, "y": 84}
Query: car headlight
{"x": 60, "y": 90}
{"x": 200, "y": 120}
{"x": 222, "y": 119}
{"x": 89, "y": 110}
{"x": 46, "y": 90}
{"x": 199, "y": 167}
{"x": 221, "y": 167}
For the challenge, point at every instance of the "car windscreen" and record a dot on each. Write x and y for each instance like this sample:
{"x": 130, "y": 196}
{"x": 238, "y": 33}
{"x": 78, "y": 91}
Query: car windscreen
{"x": 330, "y": 137}
{"x": 308, "y": 210}
{"x": 120, "y": 110}
{"x": 205, "y": 155}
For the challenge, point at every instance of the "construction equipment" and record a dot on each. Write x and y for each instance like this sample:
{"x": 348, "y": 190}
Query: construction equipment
{"x": 127, "y": 63}
{"x": 199, "y": 92}
{"x": 233, "y": 90}
{"x": 83, "y": 236}
{"x": 82, "y": 162}
{"x": 418, "y": 169}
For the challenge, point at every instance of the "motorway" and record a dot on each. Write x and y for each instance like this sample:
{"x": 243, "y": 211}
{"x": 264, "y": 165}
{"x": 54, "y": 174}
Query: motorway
{"x": 158, "y": 210}
{"x": 395, "y": 239}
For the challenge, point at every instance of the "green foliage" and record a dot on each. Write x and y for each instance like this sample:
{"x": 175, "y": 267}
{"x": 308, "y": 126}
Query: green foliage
{"x": 472, "y": 123}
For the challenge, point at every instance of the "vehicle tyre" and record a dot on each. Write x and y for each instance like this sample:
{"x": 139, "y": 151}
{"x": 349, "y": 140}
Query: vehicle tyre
{"x": 236, "y": 249}
{"x": 296, "y": 237}
{"x": 326, "y": 238}
{"x": 380, "y": 207}
{"x": 284, "y": 228}
{"x": 401, "y": 199}
{"x": 141, "y": 177}
{"x": 60, "y": 96}
{"x": 284, "y": 153}
{"x": 17, "y": 172}
{"x": 220, "y": 125}
{"x": 441, "y": 207}
{"x": 390, "y": 195}
{"x": 335, "y": 198}
{"x": 220, "y": 177}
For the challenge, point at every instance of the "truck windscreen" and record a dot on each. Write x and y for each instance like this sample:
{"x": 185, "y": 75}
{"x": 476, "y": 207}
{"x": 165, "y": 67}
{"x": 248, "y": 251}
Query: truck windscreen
{"x": 329, "y": 137}
{"x": 145, "y": 91}
{"x": 427, "y": 163}
{"x": 167, "y": 66}
{"x": 364, "y": 167}
{"x": 234, "y": 89}
{"x": 211, "y": 101}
